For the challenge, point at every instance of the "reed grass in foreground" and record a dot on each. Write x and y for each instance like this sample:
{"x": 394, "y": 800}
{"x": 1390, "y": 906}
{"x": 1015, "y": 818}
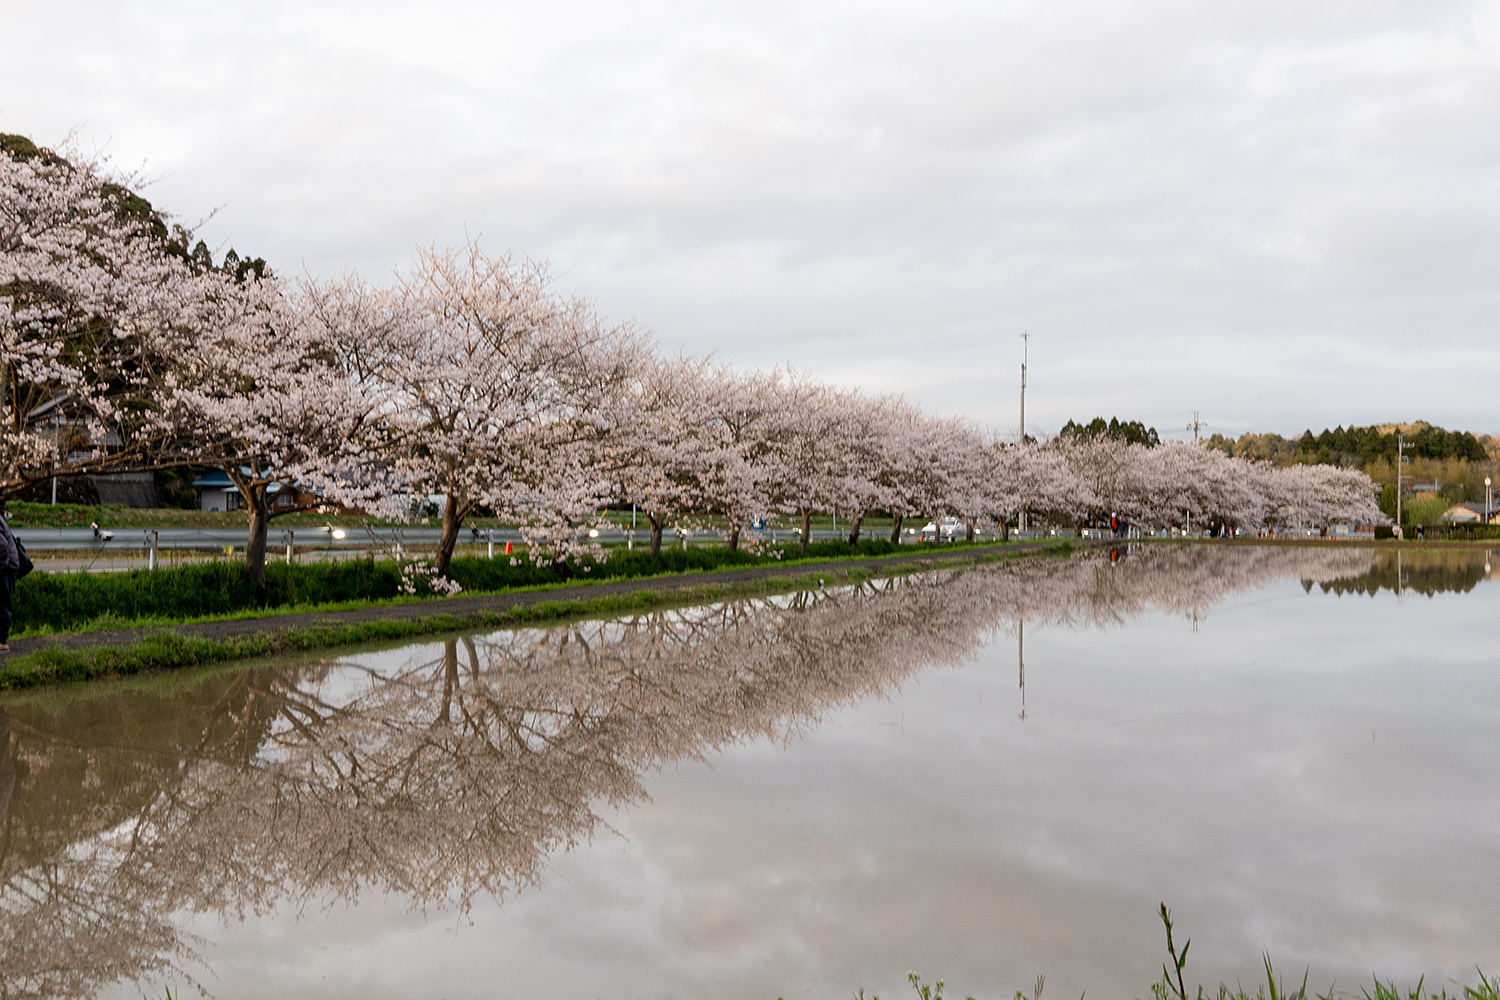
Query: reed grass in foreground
{"x": 1173, "y": 984}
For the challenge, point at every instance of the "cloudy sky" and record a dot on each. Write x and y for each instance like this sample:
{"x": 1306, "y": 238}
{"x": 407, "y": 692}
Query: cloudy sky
{"x": 1283, "y": 214}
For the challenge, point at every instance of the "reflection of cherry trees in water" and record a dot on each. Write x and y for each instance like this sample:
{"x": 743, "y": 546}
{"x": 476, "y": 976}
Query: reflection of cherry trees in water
{"x": 457, "y": 773}
{"x": 449, "y": 777}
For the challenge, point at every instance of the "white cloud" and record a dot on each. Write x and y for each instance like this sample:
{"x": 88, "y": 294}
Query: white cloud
{"x": 1284, "y": 213}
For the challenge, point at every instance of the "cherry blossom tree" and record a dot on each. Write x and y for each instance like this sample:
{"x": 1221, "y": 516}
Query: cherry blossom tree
{"x": 484, "y": 370}
{"x": 811, "y": 434}
{"x": 930, "y": 468}
{"x": 869, "y": 463}
{"x": 1321, "y": 495}
{"x": 660, "y": 445}
{"x": 1182, "y": 481}
{"x": 1109, "y": 469}
{"x": 734, "y": 470}
{"x": 85, "y": 280}
{"x": 1026, "y": 477}
{"x": 256, "y": 389}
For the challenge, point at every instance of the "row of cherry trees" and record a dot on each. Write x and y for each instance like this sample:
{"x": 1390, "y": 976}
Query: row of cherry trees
{"x": 469, "y": 379}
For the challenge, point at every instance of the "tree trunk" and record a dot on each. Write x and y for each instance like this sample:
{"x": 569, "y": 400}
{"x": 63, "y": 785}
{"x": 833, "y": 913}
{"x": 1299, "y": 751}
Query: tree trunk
{"x": 559, "y": 560}
{"x": 453, "y": 516}
{"x": 1005, "y": 531}
{"x": 806, "y": 530}
{"x": 968, "y": 531}
{"x": 656, "y": 524}
{"x": 896, "y": 529}
{"x": 450, "y": 678}
{"x": 734, "y": 538}
{"x": 258, "y": 513}
{"x": 859, "y": 520}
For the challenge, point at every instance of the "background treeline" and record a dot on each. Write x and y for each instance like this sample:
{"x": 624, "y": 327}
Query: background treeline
{"x": 1458, "y": 460}
{"x": 1131, "y": 431}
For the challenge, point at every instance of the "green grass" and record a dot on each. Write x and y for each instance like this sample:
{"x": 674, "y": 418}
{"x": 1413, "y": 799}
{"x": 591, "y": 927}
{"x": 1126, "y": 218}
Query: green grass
{"x": 49, "y": 603}
{"x": 1173, "y": 984}
{"x": 168, "y": 650}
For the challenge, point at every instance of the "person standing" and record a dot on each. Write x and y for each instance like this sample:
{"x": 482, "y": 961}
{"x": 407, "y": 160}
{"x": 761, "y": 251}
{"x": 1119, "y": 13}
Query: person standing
{"x": 10, "y": 568}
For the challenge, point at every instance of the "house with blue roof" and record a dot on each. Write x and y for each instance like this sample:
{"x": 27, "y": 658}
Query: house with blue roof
{"x": 216, "y": 491}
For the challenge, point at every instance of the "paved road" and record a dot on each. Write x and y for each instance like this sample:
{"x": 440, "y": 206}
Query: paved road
{"x": 468, "y": 606}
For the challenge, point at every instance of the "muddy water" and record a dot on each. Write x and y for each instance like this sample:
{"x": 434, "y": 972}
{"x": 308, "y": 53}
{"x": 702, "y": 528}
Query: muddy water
{"x": 980, "y": 775}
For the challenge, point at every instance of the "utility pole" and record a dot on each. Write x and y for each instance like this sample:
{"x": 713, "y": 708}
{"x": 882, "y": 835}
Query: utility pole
{"x": 1400, "y": 461}
{"x": 1021, "y": 660}
{"x": 1025, "y": 356}
{"x": 1195, "y": 425}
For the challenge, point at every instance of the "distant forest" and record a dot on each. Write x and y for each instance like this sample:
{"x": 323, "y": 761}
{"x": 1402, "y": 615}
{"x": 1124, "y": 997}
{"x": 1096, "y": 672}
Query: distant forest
{"x": 1347, "y": 446}
{"x": 1133, "y": 432}
{"x": 1358, "y": 446}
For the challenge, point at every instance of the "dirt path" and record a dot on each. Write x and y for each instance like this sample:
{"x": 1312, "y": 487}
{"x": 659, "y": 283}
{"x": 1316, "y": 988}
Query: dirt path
{"x": 463, "y": 606}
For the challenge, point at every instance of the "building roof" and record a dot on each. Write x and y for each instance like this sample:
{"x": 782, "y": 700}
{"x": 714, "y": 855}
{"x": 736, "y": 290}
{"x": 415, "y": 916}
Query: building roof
{"x": 214, "y": 479}
{"x": 63, "y": 406}
{"x": 218, "y": 479}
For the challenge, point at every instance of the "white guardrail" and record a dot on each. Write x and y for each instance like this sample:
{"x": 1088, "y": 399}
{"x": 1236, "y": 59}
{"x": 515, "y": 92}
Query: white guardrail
{"x": 218, "y": 539}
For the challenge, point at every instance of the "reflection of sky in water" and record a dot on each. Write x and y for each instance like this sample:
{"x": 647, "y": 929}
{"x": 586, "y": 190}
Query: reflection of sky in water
{"x": 1305, "y": 774}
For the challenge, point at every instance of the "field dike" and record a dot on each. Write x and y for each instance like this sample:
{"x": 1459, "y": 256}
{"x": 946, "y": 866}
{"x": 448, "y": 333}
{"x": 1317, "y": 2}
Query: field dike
{"x": 85, "y": 656}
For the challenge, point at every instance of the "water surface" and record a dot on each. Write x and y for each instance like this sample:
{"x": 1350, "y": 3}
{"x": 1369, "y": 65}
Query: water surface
{"x": 980, "y": 774}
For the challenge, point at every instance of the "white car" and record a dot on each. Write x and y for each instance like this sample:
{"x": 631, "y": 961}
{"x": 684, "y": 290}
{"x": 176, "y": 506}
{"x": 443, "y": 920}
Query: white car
{"x": 952, "y": 527}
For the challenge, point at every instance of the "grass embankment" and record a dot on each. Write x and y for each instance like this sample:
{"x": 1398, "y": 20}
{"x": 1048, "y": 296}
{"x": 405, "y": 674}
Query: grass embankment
{"x": 169, "y": 650}
{"x": 48, "y": 603}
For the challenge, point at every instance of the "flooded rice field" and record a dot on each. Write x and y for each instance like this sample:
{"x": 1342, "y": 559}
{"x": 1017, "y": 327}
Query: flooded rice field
{"x": 981, "y": 775}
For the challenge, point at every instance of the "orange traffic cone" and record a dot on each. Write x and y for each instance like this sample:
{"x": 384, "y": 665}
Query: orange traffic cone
{"x": 507, "y": 548}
